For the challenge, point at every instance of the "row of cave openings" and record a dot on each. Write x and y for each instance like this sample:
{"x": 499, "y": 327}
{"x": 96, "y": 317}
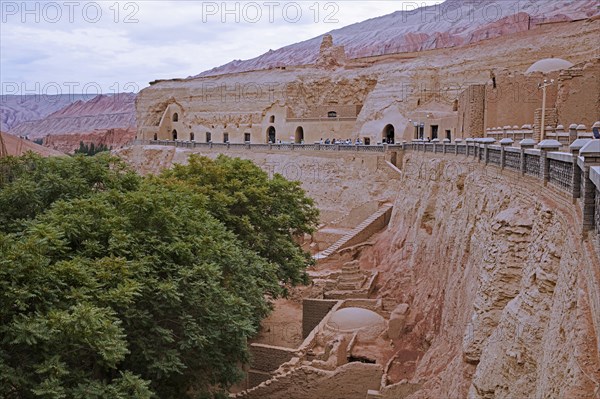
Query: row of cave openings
{"x": 388, "y": 134}
{"x": 433, "y": 134}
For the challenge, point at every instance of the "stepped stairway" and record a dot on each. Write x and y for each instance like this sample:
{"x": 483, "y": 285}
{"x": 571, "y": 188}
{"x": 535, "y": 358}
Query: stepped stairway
{"x": 352, "y": 278}
{"x": 343, "y": 242}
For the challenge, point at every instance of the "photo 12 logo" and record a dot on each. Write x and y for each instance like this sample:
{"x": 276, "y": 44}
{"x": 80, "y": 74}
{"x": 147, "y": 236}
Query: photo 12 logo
{"x": 53, "y": 12}
{"x": 51, "y": 91}
{"x": 269, "y": 11}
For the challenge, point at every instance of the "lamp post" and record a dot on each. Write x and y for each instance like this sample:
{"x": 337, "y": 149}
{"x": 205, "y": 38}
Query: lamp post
{"x": 543, "y": 86}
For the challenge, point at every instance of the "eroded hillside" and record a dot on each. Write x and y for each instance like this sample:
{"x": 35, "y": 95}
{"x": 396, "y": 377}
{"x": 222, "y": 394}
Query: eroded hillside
{"x": 454, "y": 23}
{"x": 104, "y": 119}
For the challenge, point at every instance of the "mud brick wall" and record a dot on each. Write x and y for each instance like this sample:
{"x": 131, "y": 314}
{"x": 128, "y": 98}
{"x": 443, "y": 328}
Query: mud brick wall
{"x": 313, "y": 311}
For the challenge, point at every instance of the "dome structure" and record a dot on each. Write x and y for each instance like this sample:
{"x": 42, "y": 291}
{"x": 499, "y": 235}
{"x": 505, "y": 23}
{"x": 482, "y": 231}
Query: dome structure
{"x": 354, "y": 319}
{"x": 547, "y": 65}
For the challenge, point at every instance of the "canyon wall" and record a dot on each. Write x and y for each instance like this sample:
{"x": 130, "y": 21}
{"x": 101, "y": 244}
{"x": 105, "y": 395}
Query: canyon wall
{"x": 111, "y": 138}
{"x": 386, "y": 92}
{"x": 496, "y": 273}
{"x": 338, "y": 182}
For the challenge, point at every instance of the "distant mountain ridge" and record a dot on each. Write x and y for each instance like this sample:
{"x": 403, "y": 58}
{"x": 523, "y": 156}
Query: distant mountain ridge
{"x": 450, "y": 24}
{"x": 100, "y": 113}
{"x": 108, "y": 119}
{"x": 16, "y": 109}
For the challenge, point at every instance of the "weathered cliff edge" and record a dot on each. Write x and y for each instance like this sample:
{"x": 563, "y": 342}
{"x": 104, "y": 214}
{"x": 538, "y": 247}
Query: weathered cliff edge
{"x": 498, "y": 280}
{"x": 493, "y": 266}
{"x": 454, "y": 23}
{"x": 372, "y": 94}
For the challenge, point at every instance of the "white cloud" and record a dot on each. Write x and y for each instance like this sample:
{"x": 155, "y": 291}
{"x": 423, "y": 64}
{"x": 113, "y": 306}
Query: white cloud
{"x": 113, "y": 43}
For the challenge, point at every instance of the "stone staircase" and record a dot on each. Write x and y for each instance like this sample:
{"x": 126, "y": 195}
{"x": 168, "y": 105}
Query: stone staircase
{"x": 352, "y": 278}
{"x": 347, "y": 239}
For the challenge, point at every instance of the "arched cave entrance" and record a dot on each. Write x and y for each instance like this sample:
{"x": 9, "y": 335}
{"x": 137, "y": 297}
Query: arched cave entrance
{"x": 155, "y": 136}
{"x": 271, "y": 135}
{"x": 192, "y": 136}
{"x": 174, "y": 134}
{"x": 389, "y": 134}
{"x": 175, "y": 117}
{"x": 299, "y": 135}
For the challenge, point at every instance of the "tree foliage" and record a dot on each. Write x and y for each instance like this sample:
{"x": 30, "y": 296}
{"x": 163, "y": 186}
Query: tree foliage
{"x": 264, "y": 213}
{"x": 117, "y": 286}
{"x": 91, "y": 149}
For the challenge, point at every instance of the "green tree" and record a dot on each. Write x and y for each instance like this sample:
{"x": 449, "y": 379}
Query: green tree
{"x": 30, "y": 184}
{"x": 117, "y": 286}
{"x": 91, "y": 149}
{"x": 266, "y": 214}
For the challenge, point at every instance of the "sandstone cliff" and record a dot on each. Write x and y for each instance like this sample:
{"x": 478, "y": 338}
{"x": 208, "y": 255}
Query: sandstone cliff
{"x": 497, "y": 278}
{"x": 451, "y": 24}
{"x": 385, "y": 90}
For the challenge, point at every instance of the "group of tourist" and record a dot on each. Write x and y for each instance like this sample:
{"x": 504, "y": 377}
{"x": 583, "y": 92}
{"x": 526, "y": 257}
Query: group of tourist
{"x": 358, "y": 141}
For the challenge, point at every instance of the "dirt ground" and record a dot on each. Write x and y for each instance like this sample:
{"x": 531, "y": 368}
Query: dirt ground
{"x": 283, "y": 327}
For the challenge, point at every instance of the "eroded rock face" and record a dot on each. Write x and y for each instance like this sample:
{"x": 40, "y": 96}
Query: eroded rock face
{"x": 15, "y": 146}
{"x": 500, "y": 276}
{"x": 330, "y": 56}
{"x": 111, "y": 138}
{"x": 494, "y": 270}
{"x": 337, "y": 182}
{"x": 15, "y": 109}
{"x": 397, "y": 321}
{"x": 451, "y": 24}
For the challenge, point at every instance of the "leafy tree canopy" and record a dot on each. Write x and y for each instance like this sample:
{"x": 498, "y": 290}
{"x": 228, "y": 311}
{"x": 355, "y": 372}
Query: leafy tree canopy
{"x": 118, "y": 286}
{"x": 262, "y": 212}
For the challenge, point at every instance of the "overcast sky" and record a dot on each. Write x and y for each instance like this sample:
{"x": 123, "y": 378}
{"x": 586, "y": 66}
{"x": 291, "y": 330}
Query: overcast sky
{"x": 68, "y": 46}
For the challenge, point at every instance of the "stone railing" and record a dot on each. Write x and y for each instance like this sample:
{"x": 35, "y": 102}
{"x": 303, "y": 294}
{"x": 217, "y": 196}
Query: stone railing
{"x": 273, "y": 147}
{"x": 515, "y": 133}
{"x": 576, "y": 173}
{"x": 595, "y": 178}
{"x": 563, "y": 135}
